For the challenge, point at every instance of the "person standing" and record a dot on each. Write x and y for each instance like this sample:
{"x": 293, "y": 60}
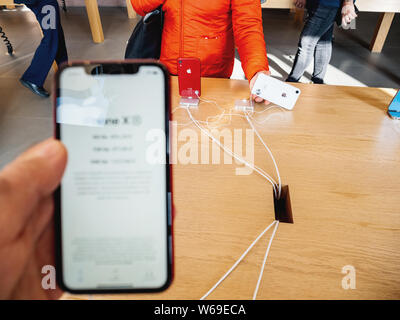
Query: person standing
{"x": 316, "y": 37}
{"x": 210, "y": 30}
{"x": 52, "y": 47}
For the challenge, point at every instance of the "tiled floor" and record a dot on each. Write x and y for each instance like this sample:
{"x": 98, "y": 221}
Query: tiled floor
{"x": 26, "y": 119}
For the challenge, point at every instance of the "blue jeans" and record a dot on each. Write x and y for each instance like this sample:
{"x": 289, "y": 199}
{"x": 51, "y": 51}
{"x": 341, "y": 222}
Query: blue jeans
{"x": 52, "y": 47}
{"x": 315, "y": 42}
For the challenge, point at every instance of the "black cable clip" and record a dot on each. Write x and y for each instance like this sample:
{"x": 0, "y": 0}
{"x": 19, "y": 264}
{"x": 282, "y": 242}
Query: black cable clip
{"x": 7, "y": 42}
{"x": 283, "y": 207}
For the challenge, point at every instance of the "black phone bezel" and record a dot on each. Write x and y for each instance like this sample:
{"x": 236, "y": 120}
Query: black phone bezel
{"x": 168, "y": 167}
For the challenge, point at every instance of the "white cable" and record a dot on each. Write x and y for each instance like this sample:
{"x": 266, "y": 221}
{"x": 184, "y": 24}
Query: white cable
{"x": 265, "y": 118}
{"x": 255, "y": 168}
{"x": 259, "y": 171}
{"x": 184, "y": 124}
{"x": 265, "y": 261}
{"x": 259, "y": 137}
{"x": 237, "y": 262}
{"x": 270, "y": 153}
{"x": 209, "y": 101}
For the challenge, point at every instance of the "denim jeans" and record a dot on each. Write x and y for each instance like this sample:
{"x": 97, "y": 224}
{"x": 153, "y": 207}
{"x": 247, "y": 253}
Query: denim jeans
{"x": 51, "y": 48}
{"x": 315, "y": 41}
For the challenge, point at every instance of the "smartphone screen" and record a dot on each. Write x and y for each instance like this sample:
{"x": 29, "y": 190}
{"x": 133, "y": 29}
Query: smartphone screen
{"x": 394, "y": 107}
{"x": 113, "y": 210}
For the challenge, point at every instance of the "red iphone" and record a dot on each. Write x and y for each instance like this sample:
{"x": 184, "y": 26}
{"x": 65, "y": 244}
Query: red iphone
{"x": 189, "y": 74}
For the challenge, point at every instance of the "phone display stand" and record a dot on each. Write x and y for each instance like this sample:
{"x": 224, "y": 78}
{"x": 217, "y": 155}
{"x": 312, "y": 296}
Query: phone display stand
{"x": 283, "y": 207}
{"x": 244, "y": 105}
{"x": 189, "y": 102}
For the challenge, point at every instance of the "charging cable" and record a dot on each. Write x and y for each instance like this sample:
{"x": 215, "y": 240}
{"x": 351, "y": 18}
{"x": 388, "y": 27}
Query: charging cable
{"x": 240, "y": 159}
{"x": 209, "y": 101}
{"x": 277, "y": 187}
{"x": 270, "y": 153}
{"x": 242, "y": 257}
{"x": 265, "y": 260}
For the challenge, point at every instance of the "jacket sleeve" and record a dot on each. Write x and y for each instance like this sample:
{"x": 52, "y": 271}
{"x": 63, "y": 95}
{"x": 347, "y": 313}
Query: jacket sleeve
{"x": 249, "y": 36}
{"x": 143, "y": 7}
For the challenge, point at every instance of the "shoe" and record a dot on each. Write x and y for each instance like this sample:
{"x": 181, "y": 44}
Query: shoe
{"x": 40, "y": 91}
{"x": 317, "y": 81}
{"x": 290, "y": 79}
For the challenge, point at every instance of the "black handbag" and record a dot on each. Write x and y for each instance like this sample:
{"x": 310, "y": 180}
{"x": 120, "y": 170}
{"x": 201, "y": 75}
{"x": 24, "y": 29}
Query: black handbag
{"x": 145, "y": 41}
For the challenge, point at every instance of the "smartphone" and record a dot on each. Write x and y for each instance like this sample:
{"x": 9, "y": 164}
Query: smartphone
{"x": 276, "y": 91}
{"x": 394, "y": 107}
{"x": 113, "y": 210}
{"x": 189, "y": 77}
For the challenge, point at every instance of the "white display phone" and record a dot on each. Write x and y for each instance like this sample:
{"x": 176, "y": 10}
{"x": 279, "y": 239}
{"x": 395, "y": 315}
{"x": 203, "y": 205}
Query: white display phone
{"x": 276, "y": 91}
{"x": 113, "y": 210}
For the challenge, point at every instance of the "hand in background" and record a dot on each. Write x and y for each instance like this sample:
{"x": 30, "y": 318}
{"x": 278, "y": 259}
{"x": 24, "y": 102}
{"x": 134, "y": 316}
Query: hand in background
{"x": 301, "y": 4}
{"x": 252, "y": 82}
{"x": 26, "y": 215}
{"x": 348, "y": 12}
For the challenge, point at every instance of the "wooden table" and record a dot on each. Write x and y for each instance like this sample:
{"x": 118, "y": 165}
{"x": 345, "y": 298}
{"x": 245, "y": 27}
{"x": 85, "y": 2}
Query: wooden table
{"x": 388, "y": 8}
{"x": 92, "y": 9}
{"x": 340, "y": 154}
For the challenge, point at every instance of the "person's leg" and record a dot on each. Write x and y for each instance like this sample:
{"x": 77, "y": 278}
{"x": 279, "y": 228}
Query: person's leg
{"x": 62, "y": 55}
{"x": 46, "y": 52}
{"x": 317, "y": 24}
{"x": 322, "y": 56}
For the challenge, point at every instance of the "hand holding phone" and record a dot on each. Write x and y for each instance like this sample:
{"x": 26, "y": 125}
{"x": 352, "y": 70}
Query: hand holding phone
{"x": 276, "y": 91}
{"x": 113, "y": 210}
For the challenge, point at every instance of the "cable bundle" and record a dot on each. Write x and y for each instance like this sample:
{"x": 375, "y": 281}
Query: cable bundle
{"x": 277, "y": 185}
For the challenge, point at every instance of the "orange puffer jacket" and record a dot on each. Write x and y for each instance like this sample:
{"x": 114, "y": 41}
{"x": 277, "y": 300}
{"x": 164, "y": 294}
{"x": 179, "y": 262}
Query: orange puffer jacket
{"x": 209, "y": 30}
